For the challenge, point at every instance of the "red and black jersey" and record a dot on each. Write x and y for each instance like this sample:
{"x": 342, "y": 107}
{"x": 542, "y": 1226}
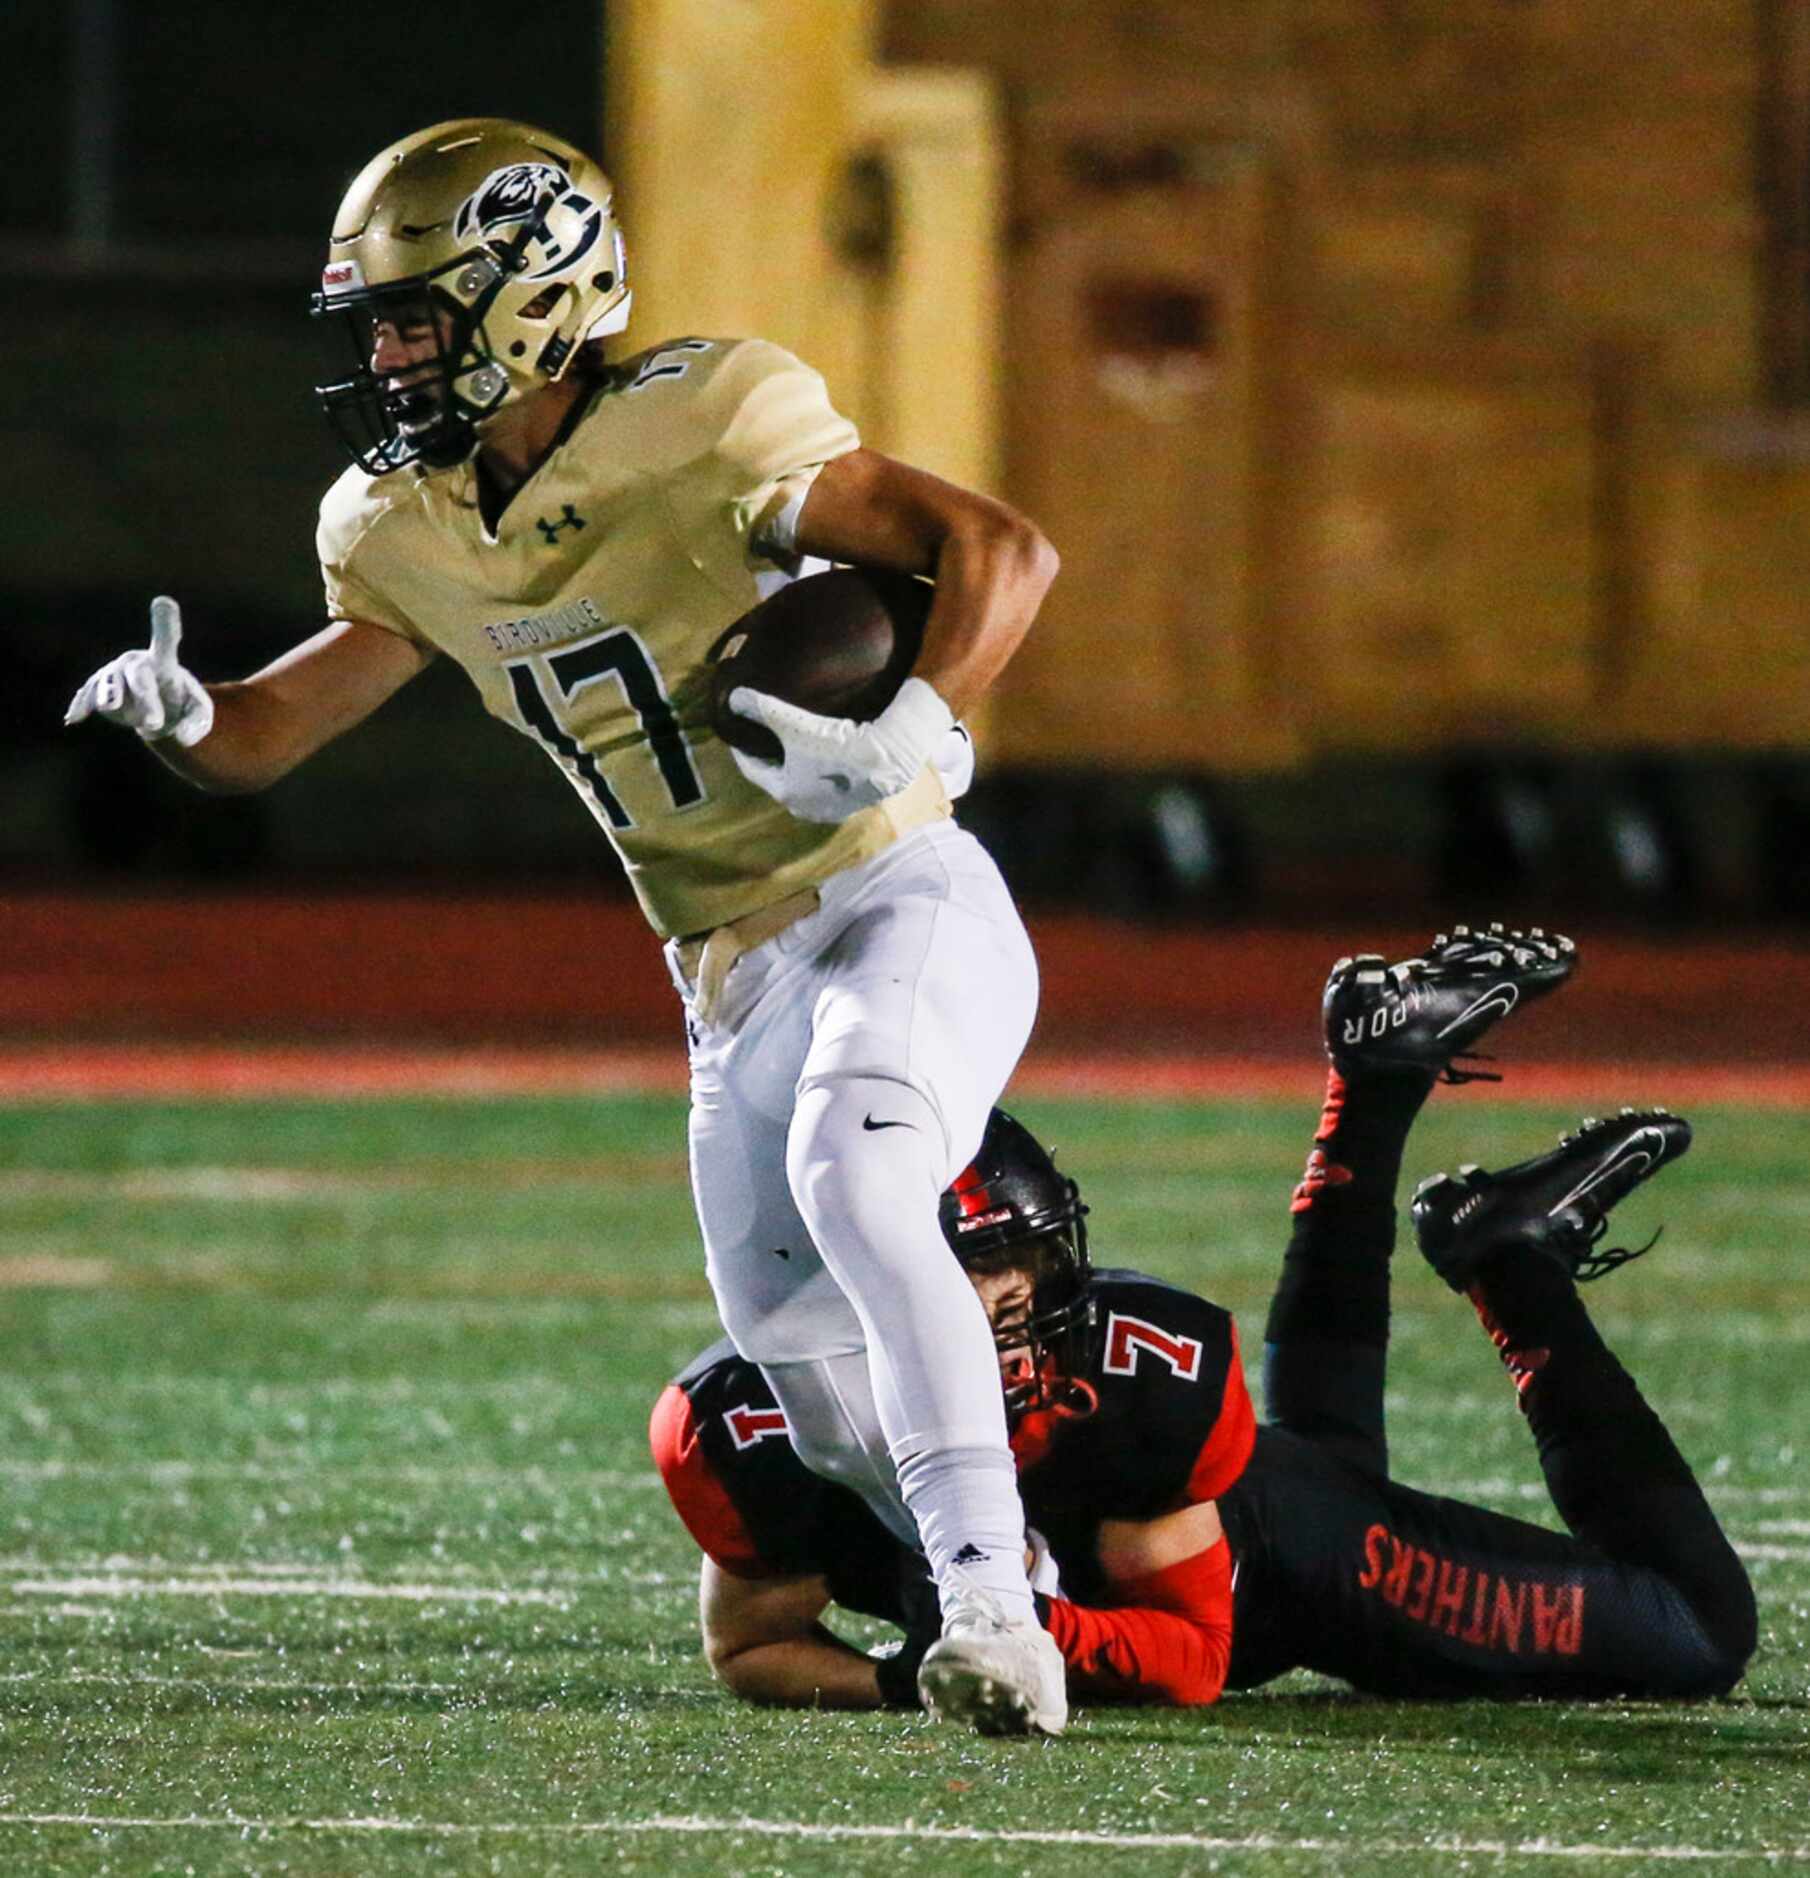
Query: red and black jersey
{"x": 1340, "y": 1569}
{"x": 1173, "y": 1422}
{"x": 719, "y": 1439}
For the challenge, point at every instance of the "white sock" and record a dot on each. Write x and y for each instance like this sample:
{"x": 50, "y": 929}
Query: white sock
{"x": 966, "y": 1504}
{"x": 869, "y": 1195}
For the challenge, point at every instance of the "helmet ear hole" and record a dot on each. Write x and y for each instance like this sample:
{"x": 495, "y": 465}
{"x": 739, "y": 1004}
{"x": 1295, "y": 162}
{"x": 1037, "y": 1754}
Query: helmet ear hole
{"x": 603, "y": 282}
{"x": 542, "y": 305}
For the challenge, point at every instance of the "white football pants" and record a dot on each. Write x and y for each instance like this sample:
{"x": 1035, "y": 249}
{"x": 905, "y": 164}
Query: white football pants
{"x": 845, "y": 1082}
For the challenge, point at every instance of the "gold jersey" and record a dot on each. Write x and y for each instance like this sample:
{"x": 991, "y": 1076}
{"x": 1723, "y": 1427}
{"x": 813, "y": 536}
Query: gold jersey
{"x": 586, "y": 619}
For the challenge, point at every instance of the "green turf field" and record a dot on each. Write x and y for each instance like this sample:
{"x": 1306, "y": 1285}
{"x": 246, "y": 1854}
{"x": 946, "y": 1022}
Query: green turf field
{"x": 331, "y": 1544}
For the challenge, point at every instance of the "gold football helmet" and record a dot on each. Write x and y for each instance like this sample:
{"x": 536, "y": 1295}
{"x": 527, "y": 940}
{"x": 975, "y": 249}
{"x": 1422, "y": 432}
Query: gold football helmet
{"x": 498, "y": 242}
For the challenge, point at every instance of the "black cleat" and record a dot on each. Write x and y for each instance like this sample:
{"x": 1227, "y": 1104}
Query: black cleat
{"x": 1424, "y": 1013}
{"x": 1557, "y": 1204}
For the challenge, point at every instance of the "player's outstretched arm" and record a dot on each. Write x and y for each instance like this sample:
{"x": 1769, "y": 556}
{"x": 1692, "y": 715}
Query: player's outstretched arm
{"x": 148, "y": 689}
{"x": 763, "y": 1641}
{"x": 992, "y": 565}
{"x": 1166, "y": 1635}
{"x": 237, "y": 737}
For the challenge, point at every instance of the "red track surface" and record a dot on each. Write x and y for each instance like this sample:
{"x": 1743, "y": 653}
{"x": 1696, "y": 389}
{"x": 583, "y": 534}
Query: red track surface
{"x": 240, "y": 994}
{"x": 103, "y": 1072}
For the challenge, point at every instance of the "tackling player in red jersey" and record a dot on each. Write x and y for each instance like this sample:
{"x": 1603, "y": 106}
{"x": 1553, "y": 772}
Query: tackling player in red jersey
{"x": 1129, "y": 1418}
{"x": 1182, "y": 1550}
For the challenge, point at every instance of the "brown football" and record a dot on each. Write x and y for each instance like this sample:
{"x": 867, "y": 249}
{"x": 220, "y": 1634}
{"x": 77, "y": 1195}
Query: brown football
{"x": 839, "y": 643}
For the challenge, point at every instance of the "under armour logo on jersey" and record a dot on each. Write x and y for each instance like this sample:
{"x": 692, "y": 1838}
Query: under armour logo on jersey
{"x": 569, "y": 517}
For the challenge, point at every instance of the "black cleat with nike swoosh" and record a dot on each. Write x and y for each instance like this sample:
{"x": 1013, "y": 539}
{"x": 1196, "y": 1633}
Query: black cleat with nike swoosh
{"x": 1425, "y": 1013}
{"x": 1557, "y": 1205}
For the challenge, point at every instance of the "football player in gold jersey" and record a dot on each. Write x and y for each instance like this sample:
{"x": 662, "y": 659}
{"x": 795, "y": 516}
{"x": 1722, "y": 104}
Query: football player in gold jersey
{"x": 858, "y": 985}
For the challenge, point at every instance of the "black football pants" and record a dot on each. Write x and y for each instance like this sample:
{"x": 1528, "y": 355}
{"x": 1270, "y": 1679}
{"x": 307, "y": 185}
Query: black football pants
{"x": 1345, "y": 1571}
{"x": 1404, "y": 1593}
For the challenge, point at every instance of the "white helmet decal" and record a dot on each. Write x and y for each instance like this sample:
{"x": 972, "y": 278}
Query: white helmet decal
{"x": 565, "y": 222}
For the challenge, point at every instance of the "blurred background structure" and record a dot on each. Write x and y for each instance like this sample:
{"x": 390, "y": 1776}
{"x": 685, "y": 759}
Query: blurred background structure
{"x": 1418, "y": 390}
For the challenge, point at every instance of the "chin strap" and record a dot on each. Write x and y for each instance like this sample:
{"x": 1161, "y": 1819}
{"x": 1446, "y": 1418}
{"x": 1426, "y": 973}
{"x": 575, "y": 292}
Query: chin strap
{"x": 1073, "y": 1399}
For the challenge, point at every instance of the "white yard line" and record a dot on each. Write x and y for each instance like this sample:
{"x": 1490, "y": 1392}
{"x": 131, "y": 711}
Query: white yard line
{"x": 692, "y": 1826}
{"x": 539, "y": 1478}
{"x": 323, "y": 1184}
{"x": 219, "y": 1685}
{"x": 243, "y": 1391}
{"x": 117, "y": 1585}
{"x": 280, "y": 1573}
{"x": 1498, "y": 1487}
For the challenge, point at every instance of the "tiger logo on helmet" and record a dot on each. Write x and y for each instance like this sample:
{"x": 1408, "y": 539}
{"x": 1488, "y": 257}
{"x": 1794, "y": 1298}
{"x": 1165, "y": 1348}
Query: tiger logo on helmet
{"x": 563, "y": 223}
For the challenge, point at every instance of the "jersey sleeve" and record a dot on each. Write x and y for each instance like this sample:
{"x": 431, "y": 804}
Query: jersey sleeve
{"x": 779, "y": 430}
{"x": 1226, "y": 1450}
{"x": 720, "y": 1442}
{"x": 1166, "y": 1637}
{"x": 698, "y": 1494}
{"x": 343, "y": 540}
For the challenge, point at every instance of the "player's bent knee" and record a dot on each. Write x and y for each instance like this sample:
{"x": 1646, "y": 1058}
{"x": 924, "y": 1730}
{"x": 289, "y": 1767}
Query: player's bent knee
{"x": 1722, "y": 1602}
{"x": 1734, "y": 1634}
{"x": 1716, "y": 1659}
{"x": 858, "y": 1149}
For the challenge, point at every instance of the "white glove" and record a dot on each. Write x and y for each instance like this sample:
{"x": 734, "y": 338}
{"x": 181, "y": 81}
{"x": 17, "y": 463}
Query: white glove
{"x": 1040, "y": 1564}
{"x": 150, "y": 692}
{"x": 833, "y": 766}
{"x": 953, "y": 760}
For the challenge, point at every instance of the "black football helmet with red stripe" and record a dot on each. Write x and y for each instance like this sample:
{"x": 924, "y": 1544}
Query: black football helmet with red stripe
{"x": 1008, "y": 1210}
